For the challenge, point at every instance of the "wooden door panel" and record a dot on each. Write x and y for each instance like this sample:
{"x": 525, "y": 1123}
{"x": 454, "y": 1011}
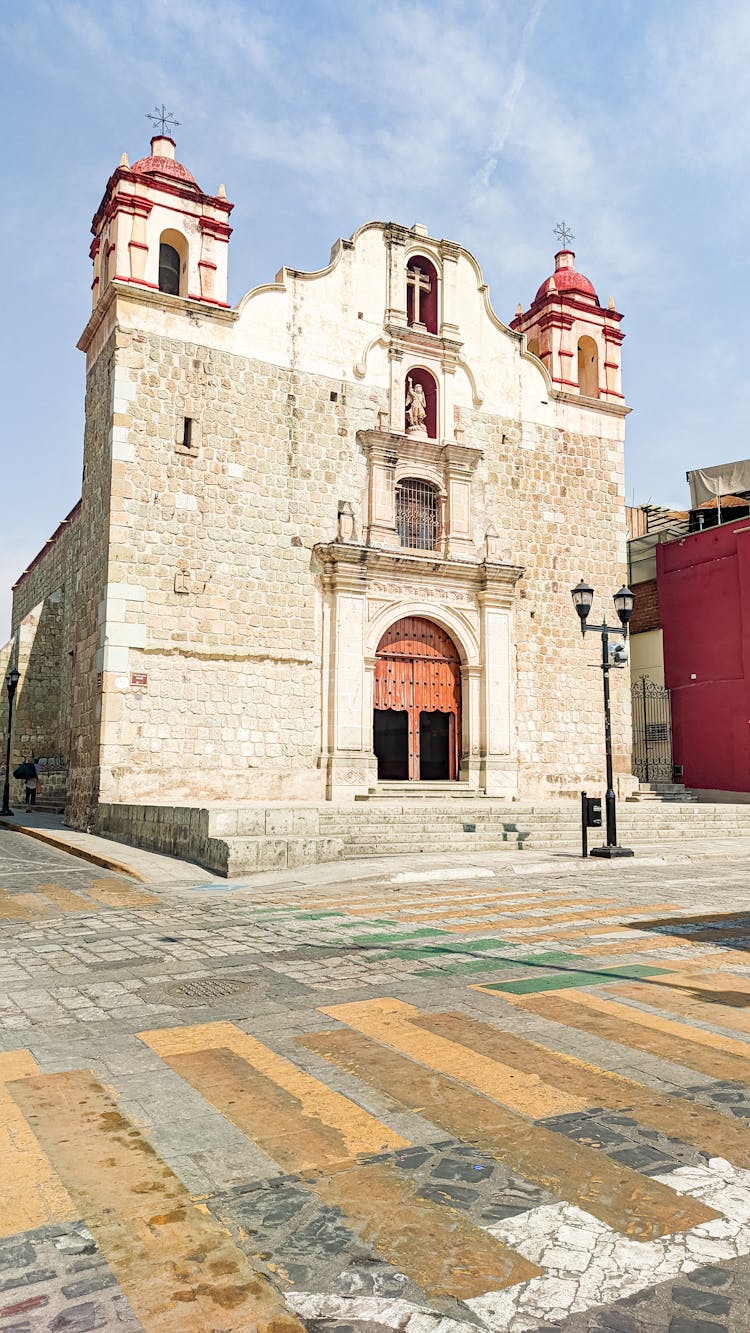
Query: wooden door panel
{"x": 417, "y": 670}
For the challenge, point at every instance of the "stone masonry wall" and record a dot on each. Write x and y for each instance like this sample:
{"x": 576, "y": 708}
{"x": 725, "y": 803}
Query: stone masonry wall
{"x": 556, "y": 498}
{"x": 87, "y": 613}
{"x": 40, "y": 632}
{"x": 214, "y": 599}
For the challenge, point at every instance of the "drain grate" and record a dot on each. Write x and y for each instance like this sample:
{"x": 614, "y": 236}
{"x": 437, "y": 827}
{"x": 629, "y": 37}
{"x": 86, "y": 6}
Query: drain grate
{"x": 198, "y": 990}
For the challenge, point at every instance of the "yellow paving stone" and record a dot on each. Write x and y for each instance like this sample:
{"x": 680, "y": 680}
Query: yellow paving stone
{"x": 34, "y": 907}
{"x": 499, "y": 912}
{"x": 640, "y": 946}
{"x": 118, "y": 893}
{"x": 657, "y": 1022}
{"x": 177, "y": 1266}
{"x": 613, "y": 913}
{"x": 432, "y": 1244}
{"x": 64, "y": 898}
{"x": 31, "y": 1194}
{"x": 708, "y": 1130}
{"x": 694, "y": 1001}
{"x": 11, "y": 909}
{"x": 709, "y": 1053}
{"x": 360, "y": 1132}
{"x": 391, "y": 1021}
{"x": 379, "y": 906}
{"x": 635, "y": 1205}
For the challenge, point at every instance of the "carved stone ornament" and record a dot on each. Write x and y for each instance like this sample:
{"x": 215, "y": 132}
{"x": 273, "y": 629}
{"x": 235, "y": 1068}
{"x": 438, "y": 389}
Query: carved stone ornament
{"x": 492, "y": 545}
{"x": 346, "y": 529}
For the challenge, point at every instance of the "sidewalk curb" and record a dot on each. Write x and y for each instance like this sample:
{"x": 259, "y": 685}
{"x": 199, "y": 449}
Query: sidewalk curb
{"x": 60, "y": 844}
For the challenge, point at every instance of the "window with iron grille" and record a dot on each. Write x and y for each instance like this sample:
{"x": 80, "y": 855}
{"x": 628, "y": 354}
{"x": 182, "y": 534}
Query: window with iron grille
{"x": 417, "y": 514}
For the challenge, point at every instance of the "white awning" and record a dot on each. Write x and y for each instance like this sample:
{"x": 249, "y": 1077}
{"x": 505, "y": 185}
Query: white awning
{"x": 723, "y": 479}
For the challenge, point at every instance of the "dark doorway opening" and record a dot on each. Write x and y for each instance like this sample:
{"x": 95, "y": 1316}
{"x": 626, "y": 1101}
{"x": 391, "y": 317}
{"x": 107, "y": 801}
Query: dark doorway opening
{"x": 434, "y": 747}
{"x": 392, "y": 744}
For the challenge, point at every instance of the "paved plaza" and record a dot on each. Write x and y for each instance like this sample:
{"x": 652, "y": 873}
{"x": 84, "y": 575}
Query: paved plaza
{"x": 440, "y": 1095}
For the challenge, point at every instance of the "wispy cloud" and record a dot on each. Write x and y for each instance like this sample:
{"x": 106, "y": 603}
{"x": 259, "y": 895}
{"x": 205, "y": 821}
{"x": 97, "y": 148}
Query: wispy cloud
{"x": 487, "y": 121}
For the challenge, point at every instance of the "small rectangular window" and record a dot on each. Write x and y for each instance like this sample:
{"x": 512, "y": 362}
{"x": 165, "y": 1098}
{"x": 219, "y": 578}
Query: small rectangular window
{"x": 187, "y": 433}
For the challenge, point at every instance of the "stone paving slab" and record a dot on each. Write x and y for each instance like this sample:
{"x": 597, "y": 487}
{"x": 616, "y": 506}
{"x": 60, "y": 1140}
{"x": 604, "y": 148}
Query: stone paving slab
{"x": 102, "y": 973}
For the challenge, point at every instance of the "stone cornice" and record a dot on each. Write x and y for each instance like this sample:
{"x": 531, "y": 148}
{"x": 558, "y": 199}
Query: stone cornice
{"x": 148, "y": 297}
{"x": 410, "y": 341}
{"x": 391, "y": 445}
{"x": 597, "y": 404}
{"x": 353, "y": 565}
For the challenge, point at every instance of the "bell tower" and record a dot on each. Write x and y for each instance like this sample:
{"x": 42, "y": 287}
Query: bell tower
{"x": 575, "y": 337}
{"x": 156, "y": 229}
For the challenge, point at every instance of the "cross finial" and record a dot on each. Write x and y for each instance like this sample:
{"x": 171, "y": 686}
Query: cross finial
{"x": 162, "y": 119}
{"x": 564, "y": 235}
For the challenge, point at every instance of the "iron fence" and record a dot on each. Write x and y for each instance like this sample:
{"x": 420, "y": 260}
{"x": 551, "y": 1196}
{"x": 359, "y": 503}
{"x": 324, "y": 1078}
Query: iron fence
{"x": 652, "y": 732}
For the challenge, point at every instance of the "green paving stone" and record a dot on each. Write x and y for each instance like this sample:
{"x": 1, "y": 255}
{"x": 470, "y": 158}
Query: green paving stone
{"x": 480, "y": 946}
{"x": 476, "y": 965}
{"x": 444, "y": 949}
{"x": 414, "y": 955}
{"x": 565, "y": 981}
{"x": 314, "y": 916}
{"x": 401, "y": 935}
{"x": 533, "y": 958}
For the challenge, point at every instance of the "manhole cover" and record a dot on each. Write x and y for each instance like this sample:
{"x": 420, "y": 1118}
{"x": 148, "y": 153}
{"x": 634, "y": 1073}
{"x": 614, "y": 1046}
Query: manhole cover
{"x": 199, "y": 990}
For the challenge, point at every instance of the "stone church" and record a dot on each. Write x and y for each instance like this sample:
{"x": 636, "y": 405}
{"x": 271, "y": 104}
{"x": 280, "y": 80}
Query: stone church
{"x": 327, "y": 536}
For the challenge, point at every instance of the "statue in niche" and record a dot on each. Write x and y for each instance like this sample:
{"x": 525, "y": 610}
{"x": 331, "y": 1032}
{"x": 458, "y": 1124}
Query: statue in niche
{"x": 416, "y": 408}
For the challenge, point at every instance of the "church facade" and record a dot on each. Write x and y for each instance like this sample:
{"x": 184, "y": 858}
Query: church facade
{"x": 326, "y": 538}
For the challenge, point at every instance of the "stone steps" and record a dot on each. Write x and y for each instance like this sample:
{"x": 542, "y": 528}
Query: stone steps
{"x": 239, "y": 840}
{"x": 421, "y": 791}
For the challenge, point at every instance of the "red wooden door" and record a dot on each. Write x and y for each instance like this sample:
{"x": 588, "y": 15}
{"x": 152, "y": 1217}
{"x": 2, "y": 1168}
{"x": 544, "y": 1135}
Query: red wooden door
{"x": 418, "y": 670}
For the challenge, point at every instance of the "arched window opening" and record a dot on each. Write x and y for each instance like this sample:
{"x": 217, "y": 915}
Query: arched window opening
{"x": 422, "y": 294}
{"x": 173, "y": 255}
{"x": 588, "y": 367}
{"x": 417, "y": 514}
{"x": 420, "y": 404}
{"x": 104, "y": 266}
{"x": 169, "y": 270}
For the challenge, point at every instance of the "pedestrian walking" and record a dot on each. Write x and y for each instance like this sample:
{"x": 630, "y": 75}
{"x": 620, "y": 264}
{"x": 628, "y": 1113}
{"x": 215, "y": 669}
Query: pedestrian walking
{"x": 33, "y": 784}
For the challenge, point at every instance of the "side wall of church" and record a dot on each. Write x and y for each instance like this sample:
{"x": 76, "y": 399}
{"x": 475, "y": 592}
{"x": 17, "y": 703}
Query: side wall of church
{"x": 211, "y": 593}
{"x": 41, "y": 609}
{"x": 556, "y": 499}
{"x": 87, "y": 620}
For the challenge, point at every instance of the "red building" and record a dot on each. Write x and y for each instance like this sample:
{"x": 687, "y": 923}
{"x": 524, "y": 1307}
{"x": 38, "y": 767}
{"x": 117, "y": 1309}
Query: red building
{"x": 703, "y": 583}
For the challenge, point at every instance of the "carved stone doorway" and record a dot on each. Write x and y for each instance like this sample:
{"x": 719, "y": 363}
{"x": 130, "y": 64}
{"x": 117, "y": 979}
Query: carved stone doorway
{"x": 417, "y": 724}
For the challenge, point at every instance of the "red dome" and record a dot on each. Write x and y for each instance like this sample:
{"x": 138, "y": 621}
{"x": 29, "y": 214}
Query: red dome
{"x": 164, "y": 166}
{"x": 566, "y": 279}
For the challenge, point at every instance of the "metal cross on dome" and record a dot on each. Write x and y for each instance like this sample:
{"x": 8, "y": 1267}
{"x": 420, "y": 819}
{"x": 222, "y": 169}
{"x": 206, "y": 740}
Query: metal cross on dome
{"x": 162, "y": 119}
{"x": 564, "y": 234}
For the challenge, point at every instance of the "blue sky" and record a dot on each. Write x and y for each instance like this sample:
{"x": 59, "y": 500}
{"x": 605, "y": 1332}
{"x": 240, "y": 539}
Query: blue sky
{"x": 487, "y": 121}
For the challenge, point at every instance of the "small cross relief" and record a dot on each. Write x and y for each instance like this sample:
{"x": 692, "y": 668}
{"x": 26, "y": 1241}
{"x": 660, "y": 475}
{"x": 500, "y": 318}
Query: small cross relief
{"x": 419, "y": 283}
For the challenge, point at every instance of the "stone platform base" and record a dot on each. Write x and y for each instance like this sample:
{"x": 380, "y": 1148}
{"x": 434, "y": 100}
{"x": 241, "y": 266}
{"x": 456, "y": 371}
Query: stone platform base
{"x": 238, "y": 840}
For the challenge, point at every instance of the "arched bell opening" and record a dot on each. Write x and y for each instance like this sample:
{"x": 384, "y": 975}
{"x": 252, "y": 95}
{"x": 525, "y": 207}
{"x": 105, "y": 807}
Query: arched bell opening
{"x": 588, "y": 367}
{"x": 173, "y": 253}
{"x": 417, "y": 700}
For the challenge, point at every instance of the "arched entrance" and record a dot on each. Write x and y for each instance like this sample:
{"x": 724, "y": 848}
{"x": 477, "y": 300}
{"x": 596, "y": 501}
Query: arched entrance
{"x": 417, "y": 727}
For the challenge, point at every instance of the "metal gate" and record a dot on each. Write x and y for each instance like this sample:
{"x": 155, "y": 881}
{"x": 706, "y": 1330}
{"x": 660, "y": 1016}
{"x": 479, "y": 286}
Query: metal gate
{"x": 652, "y": 732}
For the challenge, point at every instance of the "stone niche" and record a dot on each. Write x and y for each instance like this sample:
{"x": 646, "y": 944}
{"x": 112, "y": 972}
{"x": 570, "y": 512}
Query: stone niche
{"x": 448, "y": 466}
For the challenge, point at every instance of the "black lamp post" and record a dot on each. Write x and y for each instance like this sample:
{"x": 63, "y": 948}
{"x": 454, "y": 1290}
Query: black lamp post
{"x": 583, "y": 597}
{"x": 11, "y": 682}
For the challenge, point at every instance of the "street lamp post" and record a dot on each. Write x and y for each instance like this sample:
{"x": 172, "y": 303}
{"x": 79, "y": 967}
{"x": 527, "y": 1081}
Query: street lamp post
{"x": 11, "y": 682}
{"x": 583, "y": 597}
